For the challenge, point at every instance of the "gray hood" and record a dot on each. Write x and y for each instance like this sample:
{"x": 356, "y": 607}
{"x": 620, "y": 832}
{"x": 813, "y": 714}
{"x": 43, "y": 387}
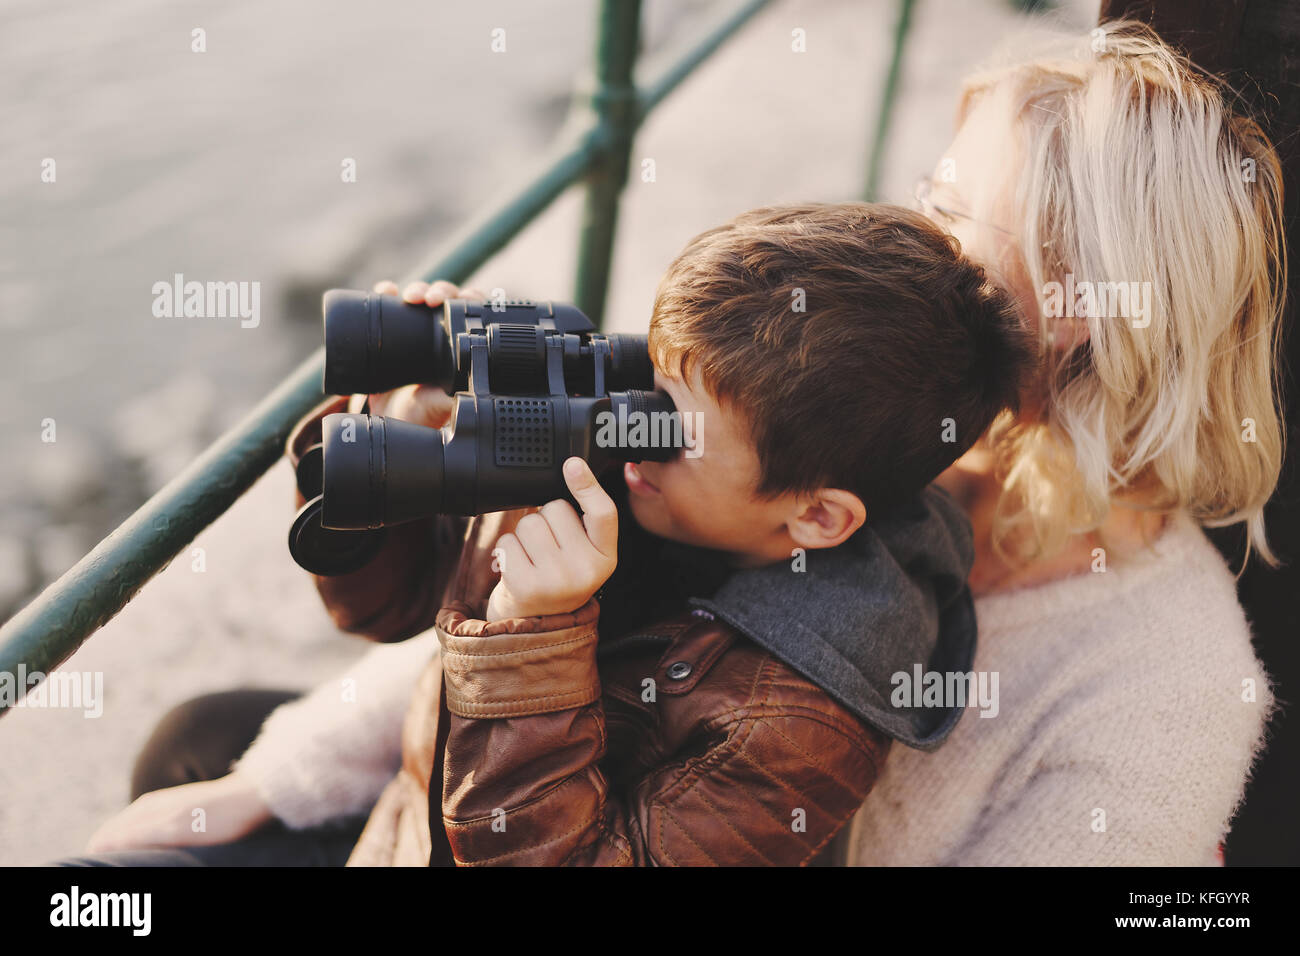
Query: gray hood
{"x": 892, "y": 599}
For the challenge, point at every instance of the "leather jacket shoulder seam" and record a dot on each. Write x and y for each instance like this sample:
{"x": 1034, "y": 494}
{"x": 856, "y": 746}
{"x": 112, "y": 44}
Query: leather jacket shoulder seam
{"x": 853, "y": 728}
{"x": 751, "y": 713}
{"x": 664, "y": 814}
{"x": 811, "y": 695}
{"x": 721, "y": 815}
{"x": 717, "y": 758}
{"x": 812, "y": 758}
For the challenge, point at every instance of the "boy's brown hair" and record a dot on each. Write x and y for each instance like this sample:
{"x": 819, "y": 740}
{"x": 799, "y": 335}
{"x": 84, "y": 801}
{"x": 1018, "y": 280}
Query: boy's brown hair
{"x": 901, "y": 343}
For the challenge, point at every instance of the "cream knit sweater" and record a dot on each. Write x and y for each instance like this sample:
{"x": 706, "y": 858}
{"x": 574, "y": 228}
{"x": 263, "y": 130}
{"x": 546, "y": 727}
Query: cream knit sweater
{"x": 1122, "y": 736}
{"x": 1125, "y": 730}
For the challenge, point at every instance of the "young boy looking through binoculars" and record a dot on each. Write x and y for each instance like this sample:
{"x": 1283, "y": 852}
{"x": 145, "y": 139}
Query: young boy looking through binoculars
{"x": 694, "y": 665}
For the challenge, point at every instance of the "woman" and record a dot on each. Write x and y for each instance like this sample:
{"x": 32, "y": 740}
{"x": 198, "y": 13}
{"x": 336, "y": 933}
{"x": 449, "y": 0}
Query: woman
{"x": 1131, "y": 704}
{"x": 1138, "y": 222}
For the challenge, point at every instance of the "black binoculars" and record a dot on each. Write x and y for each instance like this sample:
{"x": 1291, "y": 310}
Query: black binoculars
{"x": 534, "y": 384}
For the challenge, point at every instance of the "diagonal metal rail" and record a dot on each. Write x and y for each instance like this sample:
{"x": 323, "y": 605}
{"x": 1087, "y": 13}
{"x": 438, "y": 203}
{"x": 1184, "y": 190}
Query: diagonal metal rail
{"x": 593, "y": 149}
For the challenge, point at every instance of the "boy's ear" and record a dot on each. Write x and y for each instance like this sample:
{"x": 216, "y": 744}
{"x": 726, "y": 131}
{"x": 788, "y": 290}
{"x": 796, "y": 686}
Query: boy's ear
{"x": 829, "y": 519}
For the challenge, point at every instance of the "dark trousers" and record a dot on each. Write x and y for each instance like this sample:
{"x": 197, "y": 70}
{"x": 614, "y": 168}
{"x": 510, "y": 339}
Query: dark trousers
{"x": 198, "y": 740}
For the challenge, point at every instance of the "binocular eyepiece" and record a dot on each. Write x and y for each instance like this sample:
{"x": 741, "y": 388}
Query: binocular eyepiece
{"x": 534, "y": 384}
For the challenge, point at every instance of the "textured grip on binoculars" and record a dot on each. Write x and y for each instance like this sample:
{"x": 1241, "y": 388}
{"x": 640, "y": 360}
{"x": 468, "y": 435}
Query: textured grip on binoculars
{"x": 517, "y": 357}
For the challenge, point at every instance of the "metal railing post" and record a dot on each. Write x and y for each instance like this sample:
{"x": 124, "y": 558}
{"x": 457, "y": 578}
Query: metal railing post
{"x": 888, "y": 96}
{"x": 614, "y": 101}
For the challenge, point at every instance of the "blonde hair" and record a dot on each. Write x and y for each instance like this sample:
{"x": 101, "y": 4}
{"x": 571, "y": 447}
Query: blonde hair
{"x": 1135, "y": 167}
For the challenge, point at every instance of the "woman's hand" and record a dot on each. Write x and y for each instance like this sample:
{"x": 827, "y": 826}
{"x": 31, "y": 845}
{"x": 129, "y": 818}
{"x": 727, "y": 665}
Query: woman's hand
{"x": 231, "y": 808}
{"x": 421, "y": 404}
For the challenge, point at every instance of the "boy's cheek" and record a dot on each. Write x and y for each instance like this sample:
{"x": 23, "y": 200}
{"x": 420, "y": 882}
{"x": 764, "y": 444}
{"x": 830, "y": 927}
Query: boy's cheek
{"x": 655, "y": 516}
{"x": 683, "y": 515}
{"x": 634, "y": 508}
{"x": 631, "y": 510}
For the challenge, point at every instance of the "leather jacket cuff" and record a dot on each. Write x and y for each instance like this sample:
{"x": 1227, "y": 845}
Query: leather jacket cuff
{"x": 520, "y": 666}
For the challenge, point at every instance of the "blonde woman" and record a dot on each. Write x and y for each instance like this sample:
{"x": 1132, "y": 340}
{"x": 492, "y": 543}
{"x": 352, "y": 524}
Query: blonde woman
{"x": 1130, "y": 704}
{"x": 1137, "y": 220}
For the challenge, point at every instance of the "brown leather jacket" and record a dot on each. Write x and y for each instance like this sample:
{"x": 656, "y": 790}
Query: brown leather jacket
{"x": 678, "y": 743}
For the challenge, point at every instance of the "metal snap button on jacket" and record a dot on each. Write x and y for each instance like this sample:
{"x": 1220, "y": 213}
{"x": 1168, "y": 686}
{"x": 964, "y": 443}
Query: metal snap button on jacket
{"x": 680, "y": 670}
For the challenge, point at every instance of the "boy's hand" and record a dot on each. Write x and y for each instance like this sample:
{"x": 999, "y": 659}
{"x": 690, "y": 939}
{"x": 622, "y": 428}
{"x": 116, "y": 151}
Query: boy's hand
{"x": 421, "y": 404}
{"x": 555, "y": 561}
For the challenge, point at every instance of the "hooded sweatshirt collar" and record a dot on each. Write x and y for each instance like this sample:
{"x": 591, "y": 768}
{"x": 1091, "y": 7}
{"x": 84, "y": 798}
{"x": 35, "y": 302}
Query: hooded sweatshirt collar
{"x": 891, "y": 600}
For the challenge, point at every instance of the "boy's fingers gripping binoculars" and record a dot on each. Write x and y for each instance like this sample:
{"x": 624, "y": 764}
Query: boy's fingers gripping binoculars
{"x": 534, "y": 383}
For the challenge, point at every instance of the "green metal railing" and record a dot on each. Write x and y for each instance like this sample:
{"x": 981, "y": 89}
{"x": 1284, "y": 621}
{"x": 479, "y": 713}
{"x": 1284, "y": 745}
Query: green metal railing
{"x": 594, "y": 149}
{"x": 888, "y": 96}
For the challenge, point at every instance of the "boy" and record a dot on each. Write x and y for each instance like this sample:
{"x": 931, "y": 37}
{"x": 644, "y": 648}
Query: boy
{"x": 698, "y": 668}
{"x": 702, "y": 668}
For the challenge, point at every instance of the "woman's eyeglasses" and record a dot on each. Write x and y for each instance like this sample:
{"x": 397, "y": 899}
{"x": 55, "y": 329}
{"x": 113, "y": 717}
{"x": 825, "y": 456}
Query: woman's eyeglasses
{"x": 921, "y": 194}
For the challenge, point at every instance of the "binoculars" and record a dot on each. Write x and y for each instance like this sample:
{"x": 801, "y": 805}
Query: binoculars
{"x": 534, "y": 383}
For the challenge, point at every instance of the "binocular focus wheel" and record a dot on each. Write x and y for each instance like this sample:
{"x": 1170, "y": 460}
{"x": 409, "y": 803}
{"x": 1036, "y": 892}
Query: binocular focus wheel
{"x": 326, "y": 551}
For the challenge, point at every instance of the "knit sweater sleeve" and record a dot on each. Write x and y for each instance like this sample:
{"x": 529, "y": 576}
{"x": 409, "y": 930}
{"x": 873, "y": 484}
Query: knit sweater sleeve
{"x": 1157, "y": 790}
{"x": 329, "y": 754}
